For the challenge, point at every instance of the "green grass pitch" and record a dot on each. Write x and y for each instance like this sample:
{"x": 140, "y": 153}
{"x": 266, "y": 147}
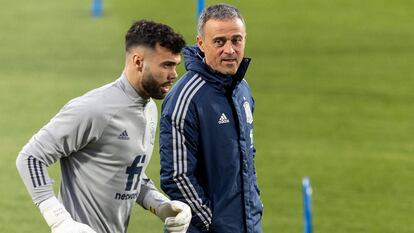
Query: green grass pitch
{"x": 333, "y": 82}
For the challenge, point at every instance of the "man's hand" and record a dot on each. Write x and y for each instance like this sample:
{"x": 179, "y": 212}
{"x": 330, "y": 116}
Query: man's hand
{"x": 176, "y": 216}
{"x": 70, "y": 226}
{"x": 59, "y": 220}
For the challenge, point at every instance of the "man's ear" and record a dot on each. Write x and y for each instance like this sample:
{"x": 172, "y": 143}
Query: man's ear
{"x": 200, "y": 43}
{"x": 138, "y": 61}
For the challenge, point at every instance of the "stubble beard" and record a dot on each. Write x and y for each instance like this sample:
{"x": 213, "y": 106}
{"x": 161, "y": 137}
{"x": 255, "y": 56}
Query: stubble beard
{"x": 152, "y": 87}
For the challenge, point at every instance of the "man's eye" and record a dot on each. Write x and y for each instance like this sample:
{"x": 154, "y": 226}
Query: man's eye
{"x": 168, "y": 65}
{"x": 218, "y": 42}
{"x": 236, "y": 40}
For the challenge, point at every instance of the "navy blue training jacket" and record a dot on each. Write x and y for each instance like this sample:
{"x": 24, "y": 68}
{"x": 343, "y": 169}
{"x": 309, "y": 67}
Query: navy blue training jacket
{"x": 206, "y": 148}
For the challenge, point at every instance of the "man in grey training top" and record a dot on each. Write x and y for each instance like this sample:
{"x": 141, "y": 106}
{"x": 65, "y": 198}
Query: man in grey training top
{"x": 104, "y": 141}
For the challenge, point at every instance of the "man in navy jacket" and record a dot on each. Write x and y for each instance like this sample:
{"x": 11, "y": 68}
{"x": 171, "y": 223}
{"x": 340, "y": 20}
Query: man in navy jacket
{"x": 206, "y": 130}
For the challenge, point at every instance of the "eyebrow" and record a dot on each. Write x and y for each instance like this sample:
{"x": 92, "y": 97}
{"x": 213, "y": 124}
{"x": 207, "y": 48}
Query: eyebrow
{"x": 169, "y": 63}
{"x": 225, "y": 38}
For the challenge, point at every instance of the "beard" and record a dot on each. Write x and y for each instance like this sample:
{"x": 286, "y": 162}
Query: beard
{"x": 152, "y": 87}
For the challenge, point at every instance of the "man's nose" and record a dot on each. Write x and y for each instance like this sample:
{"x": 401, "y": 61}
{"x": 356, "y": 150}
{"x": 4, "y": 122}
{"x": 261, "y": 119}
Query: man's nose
{"x": 173, "y": 75}
{"x": 228, "y": 47}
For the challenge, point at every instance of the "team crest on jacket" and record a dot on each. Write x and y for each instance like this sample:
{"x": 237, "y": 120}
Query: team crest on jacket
{"x": 152, "y": 132}
{"x": 248, "y": 111}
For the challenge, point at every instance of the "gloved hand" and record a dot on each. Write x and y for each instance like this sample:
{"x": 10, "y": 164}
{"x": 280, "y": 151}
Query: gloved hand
{"x": 176, "y": 216}
{"x": 71, "y": 226}
{"x": 59, "y": 219}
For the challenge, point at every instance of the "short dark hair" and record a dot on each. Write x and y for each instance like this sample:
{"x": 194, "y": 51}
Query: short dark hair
{"x": 148, "y": 33}
{"x": 219, "y": 12}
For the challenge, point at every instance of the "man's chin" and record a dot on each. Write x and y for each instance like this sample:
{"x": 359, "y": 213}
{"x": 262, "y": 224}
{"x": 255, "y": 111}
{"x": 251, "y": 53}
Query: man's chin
{"x": 158, "y": 97}
{"x": 229, "y": 71}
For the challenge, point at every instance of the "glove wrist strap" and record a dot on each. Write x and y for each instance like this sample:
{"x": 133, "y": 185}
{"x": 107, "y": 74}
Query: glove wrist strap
{"x": 53, "y": 211}
{"x": 153, "y": 200}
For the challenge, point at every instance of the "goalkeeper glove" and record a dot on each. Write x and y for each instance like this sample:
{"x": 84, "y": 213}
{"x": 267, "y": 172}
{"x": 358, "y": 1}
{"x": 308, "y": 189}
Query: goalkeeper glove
{"x": 59, "y": 220}
{"x": 176, "y": 216}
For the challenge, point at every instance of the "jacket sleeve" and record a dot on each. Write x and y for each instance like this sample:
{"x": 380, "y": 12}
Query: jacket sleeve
{"x": 254, "y": 147}
{"x": 179, "y": 134}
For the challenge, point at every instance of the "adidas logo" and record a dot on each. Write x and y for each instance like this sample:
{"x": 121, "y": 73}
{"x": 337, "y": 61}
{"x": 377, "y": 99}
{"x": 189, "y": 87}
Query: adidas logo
{"x": 123, "y": 136}
{"x": 223, "y": 119}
